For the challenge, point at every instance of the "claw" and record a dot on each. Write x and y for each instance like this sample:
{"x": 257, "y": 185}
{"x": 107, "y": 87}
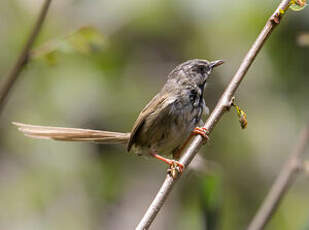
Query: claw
{"x": 175, "y": 166}
{"x": 202, "y": 131}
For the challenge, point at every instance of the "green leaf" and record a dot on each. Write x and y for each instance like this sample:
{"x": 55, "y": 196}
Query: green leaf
{"x": 298, "y": 5}
{"x": 295, "y": 7}
{"x": 84, "y": 40}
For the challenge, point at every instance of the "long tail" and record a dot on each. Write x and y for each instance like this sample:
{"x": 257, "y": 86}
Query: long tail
{"x": 72, "y": 134}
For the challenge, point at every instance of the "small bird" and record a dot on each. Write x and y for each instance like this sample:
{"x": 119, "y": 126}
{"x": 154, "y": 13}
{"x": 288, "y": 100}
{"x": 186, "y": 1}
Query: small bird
{"x": 162, "y": 127}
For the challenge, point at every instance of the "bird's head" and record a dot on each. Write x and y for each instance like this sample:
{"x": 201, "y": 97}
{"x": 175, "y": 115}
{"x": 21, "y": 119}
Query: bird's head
{"x": 199, "y": 70}
{"x": 194, "y": 72}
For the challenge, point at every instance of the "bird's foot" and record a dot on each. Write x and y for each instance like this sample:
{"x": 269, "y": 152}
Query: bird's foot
{"x": 175, "y": 166}
{"x": 201, "y": 131}
{"x": 175, "y": 169}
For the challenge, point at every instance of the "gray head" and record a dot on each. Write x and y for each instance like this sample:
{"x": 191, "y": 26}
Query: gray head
{"x": 193, "y": 72}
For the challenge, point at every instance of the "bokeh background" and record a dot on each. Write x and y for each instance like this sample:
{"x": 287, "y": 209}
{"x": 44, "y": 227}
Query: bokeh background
{"x": 103, "y": 77}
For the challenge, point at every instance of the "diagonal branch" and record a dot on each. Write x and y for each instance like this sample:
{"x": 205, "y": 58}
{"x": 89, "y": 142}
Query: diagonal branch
{"x": 222, "y": 106}
{"x": 284, "y": 180}
{"x": 22, "y": 60}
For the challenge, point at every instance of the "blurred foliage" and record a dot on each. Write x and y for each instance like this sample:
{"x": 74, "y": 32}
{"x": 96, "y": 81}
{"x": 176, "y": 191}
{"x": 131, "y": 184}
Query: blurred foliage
{"x": 298, "y": 5}
{"x": 85, "y": 41}
{"x": 103, "y": 75}
{"x": 211, "y": 195}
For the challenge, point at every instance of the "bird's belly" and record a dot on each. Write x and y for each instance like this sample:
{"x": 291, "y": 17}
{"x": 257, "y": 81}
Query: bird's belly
{"x": 168, "y": 145}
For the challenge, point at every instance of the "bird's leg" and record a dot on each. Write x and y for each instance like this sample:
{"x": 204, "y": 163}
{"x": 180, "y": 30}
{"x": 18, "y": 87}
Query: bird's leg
{"x": 201, "y": 131}
{"x": 174, "y": 165}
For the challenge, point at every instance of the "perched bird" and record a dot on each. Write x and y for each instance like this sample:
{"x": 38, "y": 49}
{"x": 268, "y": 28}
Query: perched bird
{"x": 162, "y": 127}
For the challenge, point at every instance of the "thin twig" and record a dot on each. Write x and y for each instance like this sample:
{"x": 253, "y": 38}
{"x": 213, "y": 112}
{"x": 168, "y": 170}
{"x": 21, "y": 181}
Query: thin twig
{"x": 222, "y": 106}
{"x": 22, "y": 60}
{"x": 284, "y": 180}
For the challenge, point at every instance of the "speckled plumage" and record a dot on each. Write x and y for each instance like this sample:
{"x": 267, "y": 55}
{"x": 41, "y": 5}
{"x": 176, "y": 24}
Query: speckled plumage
{"x": 170, "y": 117}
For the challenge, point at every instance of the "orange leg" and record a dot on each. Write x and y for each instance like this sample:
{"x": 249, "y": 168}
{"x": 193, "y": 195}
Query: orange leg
{"x": 171, "y": 163}
{"x": 201, "y": 131}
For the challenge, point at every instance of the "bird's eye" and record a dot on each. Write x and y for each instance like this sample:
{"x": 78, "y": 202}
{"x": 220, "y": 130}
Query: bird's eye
{"x": 200, "y": 69}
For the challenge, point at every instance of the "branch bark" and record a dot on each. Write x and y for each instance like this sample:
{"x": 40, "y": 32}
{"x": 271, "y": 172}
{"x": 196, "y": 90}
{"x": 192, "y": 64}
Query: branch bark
{"x": 281, "y": 185}
{"x": 22, "y": 59}
{"x": 222, "y": 106}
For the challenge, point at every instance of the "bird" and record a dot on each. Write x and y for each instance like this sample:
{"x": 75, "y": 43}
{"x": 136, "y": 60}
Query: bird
{"x": 164, "y": 125}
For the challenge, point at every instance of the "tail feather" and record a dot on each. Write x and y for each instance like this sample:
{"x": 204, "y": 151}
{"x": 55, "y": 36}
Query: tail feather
{"x": 72, "y": 134}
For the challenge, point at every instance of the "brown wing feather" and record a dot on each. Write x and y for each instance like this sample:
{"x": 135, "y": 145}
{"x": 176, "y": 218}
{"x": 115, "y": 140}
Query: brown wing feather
{"x": 149, "y": 108}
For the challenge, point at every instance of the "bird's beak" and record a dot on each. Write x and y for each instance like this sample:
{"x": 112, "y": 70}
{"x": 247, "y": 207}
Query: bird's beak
{"x": 216, "y": 63}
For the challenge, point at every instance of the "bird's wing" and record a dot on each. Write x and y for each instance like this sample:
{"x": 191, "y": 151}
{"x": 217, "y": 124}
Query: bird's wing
{"x": 158, "y": 102}
{"x": 72, "y": 134}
